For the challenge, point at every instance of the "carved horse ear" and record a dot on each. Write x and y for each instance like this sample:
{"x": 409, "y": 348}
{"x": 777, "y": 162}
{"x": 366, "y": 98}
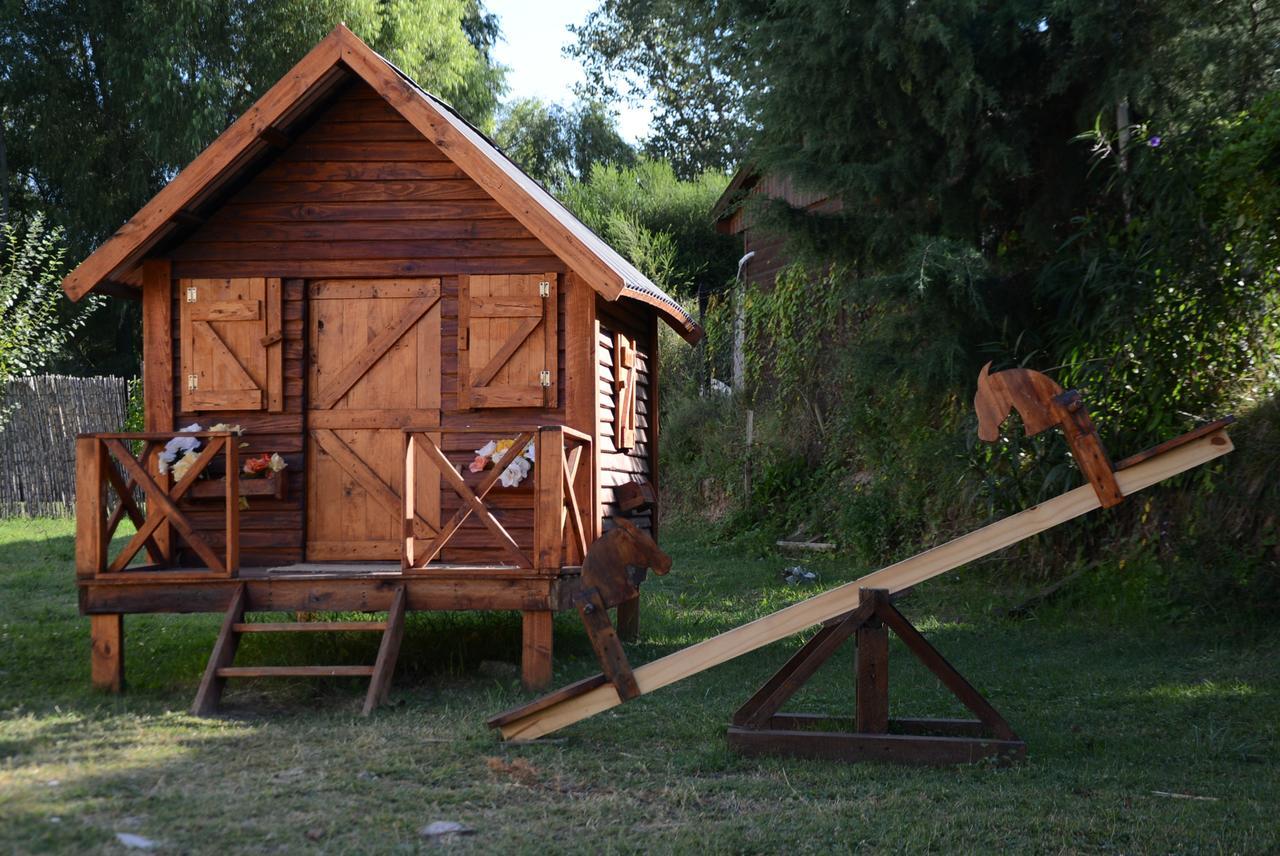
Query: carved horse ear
{"x": 992, "y": 404}
{"x": 658, "y": 560}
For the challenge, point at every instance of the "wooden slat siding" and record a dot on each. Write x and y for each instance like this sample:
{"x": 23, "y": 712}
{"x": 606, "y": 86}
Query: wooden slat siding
{"x": 361, "y": 196}
{"x": 621, "y": 466}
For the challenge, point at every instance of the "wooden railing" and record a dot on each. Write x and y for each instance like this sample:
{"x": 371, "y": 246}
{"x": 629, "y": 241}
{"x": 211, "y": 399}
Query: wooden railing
{"x": 108, "y": 462}
{"x": 559, "y": 523}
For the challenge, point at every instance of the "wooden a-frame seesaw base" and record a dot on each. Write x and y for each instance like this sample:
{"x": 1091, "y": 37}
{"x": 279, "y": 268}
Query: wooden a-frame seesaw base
{"x": 862, "y": 606}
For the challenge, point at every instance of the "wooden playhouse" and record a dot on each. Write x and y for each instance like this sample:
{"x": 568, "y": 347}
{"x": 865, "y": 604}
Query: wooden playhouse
{"x": 370, "y": 289}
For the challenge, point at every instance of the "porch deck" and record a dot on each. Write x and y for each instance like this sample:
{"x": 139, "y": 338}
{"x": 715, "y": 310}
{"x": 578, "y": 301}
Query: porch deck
{"x": 179, "y": 562}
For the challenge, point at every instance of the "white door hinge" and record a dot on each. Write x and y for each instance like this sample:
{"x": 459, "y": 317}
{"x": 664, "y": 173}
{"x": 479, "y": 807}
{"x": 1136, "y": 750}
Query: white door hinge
{"x": 545, "y": 378}
{"x": 191, "y": 294}
{"x": 544, "y": 289}
{"x": 193, "y": 382}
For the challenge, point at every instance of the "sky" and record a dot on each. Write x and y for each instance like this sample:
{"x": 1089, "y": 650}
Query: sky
{"x": 534, "y": 33}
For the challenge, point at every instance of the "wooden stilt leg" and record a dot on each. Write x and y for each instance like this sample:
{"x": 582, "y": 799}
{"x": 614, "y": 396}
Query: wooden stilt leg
{"x": 106, "y": 632}
{"x": 872, "y": 702}
{"x": 629, "y": 619}
{"x": 535, "y": 656}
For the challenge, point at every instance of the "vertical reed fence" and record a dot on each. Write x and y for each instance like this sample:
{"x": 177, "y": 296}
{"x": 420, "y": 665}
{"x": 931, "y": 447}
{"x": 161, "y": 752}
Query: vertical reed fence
{"x": 40, "y": 417}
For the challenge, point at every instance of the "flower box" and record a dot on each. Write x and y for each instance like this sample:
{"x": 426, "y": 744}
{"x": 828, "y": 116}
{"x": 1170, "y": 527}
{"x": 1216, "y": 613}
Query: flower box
{"x": 273, "y": 486}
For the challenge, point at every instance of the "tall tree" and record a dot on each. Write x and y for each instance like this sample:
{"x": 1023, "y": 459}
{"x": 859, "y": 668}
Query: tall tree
{"x": 555, "y": 144}
{"x": 684, "y": 58}
{"x": 103, "y": 102}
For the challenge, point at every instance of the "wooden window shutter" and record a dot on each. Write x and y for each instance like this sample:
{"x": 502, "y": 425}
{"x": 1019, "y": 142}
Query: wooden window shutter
{"x": 232, "y": 344}
{"x": 625, "y": 380}
{"x": 507, "y": 346}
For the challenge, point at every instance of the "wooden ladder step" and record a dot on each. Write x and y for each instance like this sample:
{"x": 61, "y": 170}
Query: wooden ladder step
{"x": 294, "y": 671}
{"x": 308, "y": 626}
{"x": 233, "y": 626}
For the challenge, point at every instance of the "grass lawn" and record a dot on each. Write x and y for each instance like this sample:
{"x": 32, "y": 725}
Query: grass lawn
{"x": 1114, "y": 716}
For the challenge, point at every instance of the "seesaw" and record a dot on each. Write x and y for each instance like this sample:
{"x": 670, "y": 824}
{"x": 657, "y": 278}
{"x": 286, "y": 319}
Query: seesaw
{"x": 862, "y": 610}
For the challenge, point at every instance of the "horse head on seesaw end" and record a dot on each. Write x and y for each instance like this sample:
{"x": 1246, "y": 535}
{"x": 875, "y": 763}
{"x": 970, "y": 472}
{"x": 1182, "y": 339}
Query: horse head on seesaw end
{"x": 617, "y": 562}
{"x": 1043, "y": 404}
{"x": 1029, "y": 392}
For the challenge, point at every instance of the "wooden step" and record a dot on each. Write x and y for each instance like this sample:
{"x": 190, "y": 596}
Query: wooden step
{"x": 295, "y": 671}
{"x": 307, "y": 626}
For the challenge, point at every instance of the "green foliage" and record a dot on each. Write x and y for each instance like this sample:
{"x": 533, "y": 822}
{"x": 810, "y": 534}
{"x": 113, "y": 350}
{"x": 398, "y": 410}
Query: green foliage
{"x": 1086, "y": 189}
{"x": 555, "y": 144}
{"x": 35, "y": 322}
{"x": 102, "y": 103}
{"x": 619, "y": 202}
{"x": 681, "y": 58}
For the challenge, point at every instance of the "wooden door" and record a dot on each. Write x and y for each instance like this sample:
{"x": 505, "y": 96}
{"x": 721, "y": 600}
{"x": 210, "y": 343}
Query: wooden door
{"x": 375, "y": 368}
{"x": 231, "y": 344}
{"x": 507, "y": 345}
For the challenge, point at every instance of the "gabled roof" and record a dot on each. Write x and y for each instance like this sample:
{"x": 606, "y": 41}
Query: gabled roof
{"x": 249, "y": 142}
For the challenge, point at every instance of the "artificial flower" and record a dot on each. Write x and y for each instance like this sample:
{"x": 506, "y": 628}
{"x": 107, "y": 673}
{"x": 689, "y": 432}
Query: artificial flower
{"x": 494, "y": 451}
{"x": 182, "y": 465}
{"x": 254, "y": 466}
{"x": 277, "y": 463}
{"x": 176, "y": 448}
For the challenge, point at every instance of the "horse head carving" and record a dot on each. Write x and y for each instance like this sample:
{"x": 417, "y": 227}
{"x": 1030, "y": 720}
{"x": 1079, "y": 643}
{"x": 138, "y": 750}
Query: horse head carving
{"x": 1043, "y": 404}
{"x": 1029, "y": 392}
{"x": 617, "y": 562}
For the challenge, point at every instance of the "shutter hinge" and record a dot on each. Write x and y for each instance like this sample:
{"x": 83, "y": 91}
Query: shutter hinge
{"x": 544, "y": 289}
{"x": 193, "y": 381}
{"x": 191, "y": 294}
{"x": 545, "y": 378}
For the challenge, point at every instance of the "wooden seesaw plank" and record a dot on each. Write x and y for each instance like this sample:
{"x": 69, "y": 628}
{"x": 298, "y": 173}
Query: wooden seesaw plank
{"x": 797, "y": 617}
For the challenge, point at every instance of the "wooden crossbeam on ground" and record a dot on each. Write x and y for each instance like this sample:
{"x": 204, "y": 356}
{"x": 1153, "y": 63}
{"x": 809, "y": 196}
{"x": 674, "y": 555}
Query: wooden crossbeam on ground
{"x": 539, "y": 719}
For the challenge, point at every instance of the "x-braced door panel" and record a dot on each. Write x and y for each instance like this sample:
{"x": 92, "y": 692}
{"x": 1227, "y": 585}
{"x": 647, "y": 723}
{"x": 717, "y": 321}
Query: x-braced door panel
{"x": 507, "y": 348}
{"x": 231, "y": 344}
{"x": 375, "y": 369}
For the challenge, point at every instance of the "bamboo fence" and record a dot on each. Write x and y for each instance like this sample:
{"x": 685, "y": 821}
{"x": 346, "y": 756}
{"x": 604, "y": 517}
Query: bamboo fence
{"x": 40, "y": 417}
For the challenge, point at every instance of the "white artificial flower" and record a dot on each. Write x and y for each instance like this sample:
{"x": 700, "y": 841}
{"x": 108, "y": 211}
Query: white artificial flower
{"x": 277, "y": 463}
{"x": 179, "y": 446}
{"x": 487, "y": 449}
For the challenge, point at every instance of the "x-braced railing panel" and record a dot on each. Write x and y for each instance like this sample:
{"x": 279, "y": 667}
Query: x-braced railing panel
{"x": 559, "y": 455}
{"x": 107, "y": 463}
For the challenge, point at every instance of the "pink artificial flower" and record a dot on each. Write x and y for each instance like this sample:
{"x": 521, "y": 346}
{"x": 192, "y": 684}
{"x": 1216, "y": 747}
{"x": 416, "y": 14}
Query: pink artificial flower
{"x": 479, "y": 464}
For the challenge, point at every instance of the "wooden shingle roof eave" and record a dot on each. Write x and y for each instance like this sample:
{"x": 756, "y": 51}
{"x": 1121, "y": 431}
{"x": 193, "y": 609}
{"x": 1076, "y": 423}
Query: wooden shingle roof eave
{"x": 337, "y": 56}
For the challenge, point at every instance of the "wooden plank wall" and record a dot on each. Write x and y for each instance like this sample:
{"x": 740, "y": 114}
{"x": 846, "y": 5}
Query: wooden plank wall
{"x": 637, "y": 463}
{"x": 361, "y": 193}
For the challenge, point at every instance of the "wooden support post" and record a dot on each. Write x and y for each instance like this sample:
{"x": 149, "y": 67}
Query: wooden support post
{"x": 548, "y": 515}
{"x": 106, "y": 634}
{"x": 231, "y": 452}
{"x": 157, "y": 371}
{"x": 872, "y": 700}
{"x": 91, "y": 519}
{"x": 535, "y": 655}
{"x": 629, "y": 619}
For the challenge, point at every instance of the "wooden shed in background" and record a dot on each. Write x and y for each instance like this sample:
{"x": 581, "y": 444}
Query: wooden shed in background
{"x": 368, "y": 287}
{"x": 732, "y": 216}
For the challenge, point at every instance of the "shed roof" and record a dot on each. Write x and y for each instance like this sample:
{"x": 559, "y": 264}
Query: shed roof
{"x": 267, "y": 126}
